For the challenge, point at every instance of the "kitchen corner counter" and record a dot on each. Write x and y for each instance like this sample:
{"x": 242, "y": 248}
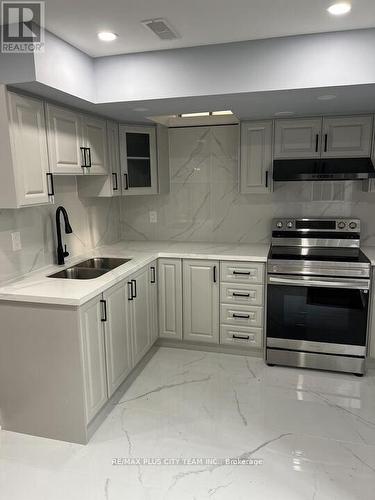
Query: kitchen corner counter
{"x": 370, "y": 254}
{"x": 36, "y": 287}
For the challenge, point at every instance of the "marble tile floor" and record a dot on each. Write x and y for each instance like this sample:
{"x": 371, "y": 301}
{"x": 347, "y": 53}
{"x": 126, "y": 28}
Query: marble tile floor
{"x": 303, "y": 434}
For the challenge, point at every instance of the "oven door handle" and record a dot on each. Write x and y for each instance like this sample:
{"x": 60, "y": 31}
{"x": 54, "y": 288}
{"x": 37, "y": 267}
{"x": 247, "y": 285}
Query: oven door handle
{"x": 353, "y": 284}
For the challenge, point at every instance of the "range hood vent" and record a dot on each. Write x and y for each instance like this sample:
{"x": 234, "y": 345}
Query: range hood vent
{"x": 330, "y": 169}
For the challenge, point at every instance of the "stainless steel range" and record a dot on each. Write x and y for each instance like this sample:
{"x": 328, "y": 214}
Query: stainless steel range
{"x": 318, "y": 283}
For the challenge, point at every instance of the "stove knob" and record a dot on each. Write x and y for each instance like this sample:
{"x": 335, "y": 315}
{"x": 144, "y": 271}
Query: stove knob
{"x": 341, "y": 225}
{"x": 289, "y": 225}
{"x": 279, "y": 224}
{"x": 353, "y": 225}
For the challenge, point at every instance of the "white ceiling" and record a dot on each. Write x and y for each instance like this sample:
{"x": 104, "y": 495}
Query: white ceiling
{"x": 199, "y": 22}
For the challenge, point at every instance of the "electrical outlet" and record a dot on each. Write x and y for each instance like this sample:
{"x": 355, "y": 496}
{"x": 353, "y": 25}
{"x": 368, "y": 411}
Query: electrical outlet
{"x": 153, "y": 217}
{"x": 16, "y": 241}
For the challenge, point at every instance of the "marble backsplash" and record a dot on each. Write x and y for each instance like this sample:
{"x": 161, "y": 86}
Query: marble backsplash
{"x": 204, "y": 203}
{"x": 94, "y": 221}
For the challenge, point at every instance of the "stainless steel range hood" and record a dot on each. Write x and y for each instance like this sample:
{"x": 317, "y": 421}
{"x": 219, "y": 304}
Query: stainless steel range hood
{"x": 332, "y": 169}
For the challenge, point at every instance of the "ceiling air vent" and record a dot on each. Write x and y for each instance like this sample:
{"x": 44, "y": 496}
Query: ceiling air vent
{"x": 161, "y": 29}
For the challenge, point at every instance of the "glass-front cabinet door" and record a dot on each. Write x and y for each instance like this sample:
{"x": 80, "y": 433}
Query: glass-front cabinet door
{"x": 138, "y": 160}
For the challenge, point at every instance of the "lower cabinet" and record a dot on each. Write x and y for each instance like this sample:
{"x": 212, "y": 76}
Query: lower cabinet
{"x": 117, "y": 329}
{"x": 139, "y": 313}
{"x": 117, "y": 336}
{"x": 201, "y": 300}
{"x": 94, "y": 357}
{"x": 170, "y": 298}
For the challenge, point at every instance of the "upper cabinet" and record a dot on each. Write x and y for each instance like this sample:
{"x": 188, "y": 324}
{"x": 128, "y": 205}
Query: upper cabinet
{"x": 25, "y": 178}
{"x": 77, "y": 143}
{"x": 95, "y": 136}
{"x": 138, "y": 160}
{"x": 330, "y": 137}
{"x": 299, "y": 138}
{"x": 347, "y": 136}
{"x": 256, "y": 157}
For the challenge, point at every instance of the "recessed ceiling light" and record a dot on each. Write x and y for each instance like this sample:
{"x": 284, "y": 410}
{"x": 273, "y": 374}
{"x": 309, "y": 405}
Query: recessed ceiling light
{"x": 190, "y": 115}
{"x": 338, "y": 9}
{"x": 107, "y": 36}
{"x": 327, "y": 97}
{"x": 225, "y": 112}
{"x": 284, "y": 113}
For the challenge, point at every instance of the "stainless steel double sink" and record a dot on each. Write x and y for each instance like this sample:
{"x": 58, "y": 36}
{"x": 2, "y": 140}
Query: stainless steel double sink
{"x": 90, "y": 269}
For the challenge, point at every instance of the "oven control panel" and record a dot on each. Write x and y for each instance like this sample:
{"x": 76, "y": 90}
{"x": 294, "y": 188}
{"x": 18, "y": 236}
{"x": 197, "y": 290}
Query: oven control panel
{"x": 306, "y": 225}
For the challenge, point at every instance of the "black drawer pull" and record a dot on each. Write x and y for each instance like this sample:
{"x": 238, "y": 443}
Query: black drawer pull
{"x": 243, "y": 316}
{"x": 134, "y": 289}
{"x": 236, "y": 294}
{"x": 126, "y": 181}
{"x": 244, "y": 273}
{"x": 130, "y": 291}
{"x": 115, "y": 181}
{"x": 104, "y": 304}
{"x": 153, "y": 274}
{"x": 241, "y": 337}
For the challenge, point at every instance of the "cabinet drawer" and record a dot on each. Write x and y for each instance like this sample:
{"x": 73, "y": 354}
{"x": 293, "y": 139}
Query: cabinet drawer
{"x": 232, "y": 335}
{"x": 238, "y": 293}
{"x": 241, "y": 315}
{"x": 242, "y": 272}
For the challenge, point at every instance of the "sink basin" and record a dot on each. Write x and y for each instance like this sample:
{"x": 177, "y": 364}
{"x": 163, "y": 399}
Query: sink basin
{"x": 102, "y": 263}
{"x": 90, "y": 269}
{"x": 79, "y": 273}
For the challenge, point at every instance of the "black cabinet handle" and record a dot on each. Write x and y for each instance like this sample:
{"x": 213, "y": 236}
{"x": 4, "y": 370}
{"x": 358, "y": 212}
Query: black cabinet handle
{"x": 236, "y": 294}
{"x": 104, "y": 304}
{"x": 243, "y": 316}
{"x": 83, "y": 157}
{"x": 153, "y": 274}
{"x": 51, "y": 186}
{"x": 126, "y": 181}
{"x": 242, "y": 337}
{"x": 266, "y": 178}
{"x": 134, "y": 289}
{"x": 88, "y": 157}
{"x": 130, "y": 291}
{"x": 244, "y": 273}
{"x": 325, "y": 142}
{"x": 214, "y": 273}
{"x": 115, "y": 181}
{"x": 317, "y": 143}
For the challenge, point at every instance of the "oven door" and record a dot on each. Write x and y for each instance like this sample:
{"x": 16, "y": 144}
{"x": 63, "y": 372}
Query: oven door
{"x": 317, "y": 314}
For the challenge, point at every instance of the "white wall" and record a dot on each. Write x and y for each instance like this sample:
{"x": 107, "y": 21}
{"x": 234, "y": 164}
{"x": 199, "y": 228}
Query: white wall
{"x": 329, "y": 59}
{"x": 204, "y": 204}
{"x": 94, "y": 222}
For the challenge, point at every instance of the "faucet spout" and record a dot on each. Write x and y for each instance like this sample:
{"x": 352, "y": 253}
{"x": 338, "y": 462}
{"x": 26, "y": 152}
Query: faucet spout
{"x": 62, "y": 252}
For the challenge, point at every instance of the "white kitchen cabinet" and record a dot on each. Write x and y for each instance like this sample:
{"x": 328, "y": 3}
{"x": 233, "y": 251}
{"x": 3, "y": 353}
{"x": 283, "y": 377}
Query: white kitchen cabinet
{"x": 65, "y": 141}
{"x": 110, "y": 184}
{"x": 138, "y": 160}
{"x": 297, "y": 138}
{"x": 153, "y": 291}
{"x": 95, "y": 135}
{"x": 139, "y": 307}
{"x": 256, "y": 157}
{"x": 170, "y": 298}
{"x": 347, "y": 136}
{"x": 117, "y": 336}
{"x": 25, "y": 178}
{"x": 77, "y": 143}
{"x": 94, "y": 356}
{"x": 201, "y": 300}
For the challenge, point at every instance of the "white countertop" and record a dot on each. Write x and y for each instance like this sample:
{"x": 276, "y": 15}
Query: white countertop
{"x": 370, "y": 253}
{"x": 37, "y": 287}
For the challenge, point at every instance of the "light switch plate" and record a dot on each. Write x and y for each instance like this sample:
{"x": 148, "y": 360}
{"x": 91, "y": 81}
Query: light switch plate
{"x": 16, "y": 241}
{"x": 153, "y": 217}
